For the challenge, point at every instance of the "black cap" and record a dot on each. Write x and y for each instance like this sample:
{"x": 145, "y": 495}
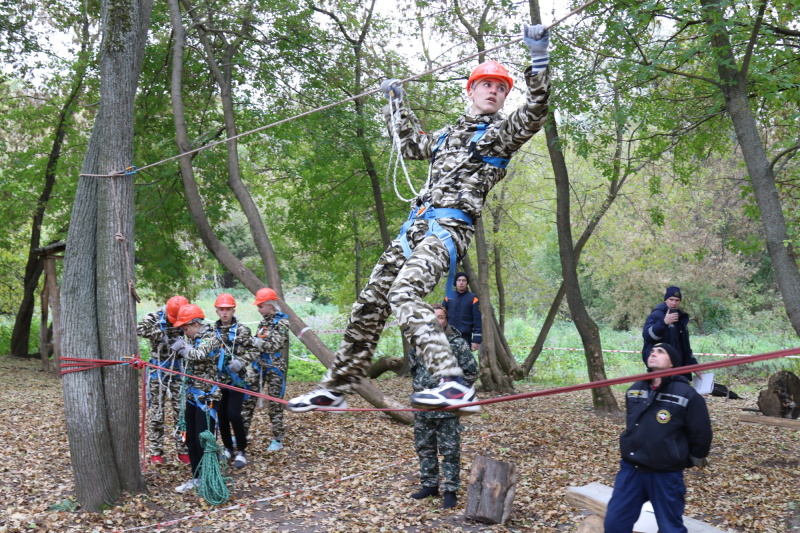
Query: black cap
{"x": 673, "y": 291}
{"x": 464, "y": 275}
{"x": 673, "y": 354}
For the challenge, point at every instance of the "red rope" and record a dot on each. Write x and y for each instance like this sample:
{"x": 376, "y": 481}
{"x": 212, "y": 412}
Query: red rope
{"x": 137, "y": 362}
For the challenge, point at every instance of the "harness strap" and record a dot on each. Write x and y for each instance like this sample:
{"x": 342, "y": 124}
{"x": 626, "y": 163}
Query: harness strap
{"x": 432, "y": 214}
{"x": 268, "y": 367}
{"x": 196, "y": 393}
{"x": 499, "y": 162}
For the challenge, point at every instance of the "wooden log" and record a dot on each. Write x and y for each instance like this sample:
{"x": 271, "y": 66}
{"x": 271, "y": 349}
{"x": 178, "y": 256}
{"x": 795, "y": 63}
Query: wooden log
{"x": 782, "y": 396}
{"x": 490, "y": 495}
{"x": 770, "y": 421}
{"x": 594, "y": 497}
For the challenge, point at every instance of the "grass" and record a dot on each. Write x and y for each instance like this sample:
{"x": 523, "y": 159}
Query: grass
{"x": 554, "y": 368}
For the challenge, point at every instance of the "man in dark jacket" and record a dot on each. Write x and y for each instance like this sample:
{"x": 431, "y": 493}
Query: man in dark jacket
{"x": 667, "y": 430}
{"x": 464, "y": 311}
{"x": 668, "y": 324}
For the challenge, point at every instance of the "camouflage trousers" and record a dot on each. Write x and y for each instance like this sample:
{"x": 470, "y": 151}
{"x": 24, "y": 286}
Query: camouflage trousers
{"x": 163, "y": 387}
{"x": 273, "y": 384}
{"x": 398, "y": 285}
{"x": 434, "y": 436}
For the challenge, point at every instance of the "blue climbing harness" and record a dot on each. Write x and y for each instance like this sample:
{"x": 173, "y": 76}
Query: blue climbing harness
{"x": 222, "y": 368}
{"x": 432, "y": 215}
{"x": 264, "y": 365}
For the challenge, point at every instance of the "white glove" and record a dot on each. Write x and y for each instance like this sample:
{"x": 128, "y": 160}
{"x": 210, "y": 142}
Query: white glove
{"x": 235, "y": 366}
{"x": 261, "y": 344}
{"x": 392, "y": 89}
{"x": 178, "y": 345}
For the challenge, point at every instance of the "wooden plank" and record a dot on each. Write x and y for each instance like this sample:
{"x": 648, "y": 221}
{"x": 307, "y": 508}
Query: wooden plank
{"x": 770, "y": 421}
{"x": 594, "y": 497}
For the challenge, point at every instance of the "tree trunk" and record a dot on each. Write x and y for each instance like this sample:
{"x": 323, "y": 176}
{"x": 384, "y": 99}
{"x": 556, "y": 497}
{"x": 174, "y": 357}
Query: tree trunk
{"x": 602, "y": 397}
{"x": 735, "y": 89}
{"x": 498, "y": 262}
{"x": 223, "y": 74}
{"x": 315, "y": 345}
{"x": 493, "y": 355}
{"x": 20, "y": 337}
{"x": 101, "y": 405}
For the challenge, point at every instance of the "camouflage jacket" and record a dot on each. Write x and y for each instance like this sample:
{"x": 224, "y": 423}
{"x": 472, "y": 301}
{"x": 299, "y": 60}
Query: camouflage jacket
{"x": 457, "y": 180}
{"x": 155, "y": 327}
{"x": 202, "y": 356}
{"x": 421, "y": 378}
{"x": 274, "y": 331}
{"x": 236, "y": 340}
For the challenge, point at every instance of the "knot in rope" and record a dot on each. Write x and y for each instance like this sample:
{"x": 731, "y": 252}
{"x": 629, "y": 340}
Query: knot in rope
{"x": 214, "y": 487}
{"x": 134, "y": 361}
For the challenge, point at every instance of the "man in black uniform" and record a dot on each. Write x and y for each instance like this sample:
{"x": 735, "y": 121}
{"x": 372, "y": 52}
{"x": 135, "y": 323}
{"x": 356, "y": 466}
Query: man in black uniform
{"x": 667, "y": 430}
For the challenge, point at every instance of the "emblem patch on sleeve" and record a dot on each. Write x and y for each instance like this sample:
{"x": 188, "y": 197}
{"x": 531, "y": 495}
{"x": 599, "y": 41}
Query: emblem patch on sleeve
{"x": 663, "y": 416}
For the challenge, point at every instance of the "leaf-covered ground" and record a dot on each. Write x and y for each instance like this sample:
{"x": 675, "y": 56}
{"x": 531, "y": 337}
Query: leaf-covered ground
{"x": 555, "y": 442}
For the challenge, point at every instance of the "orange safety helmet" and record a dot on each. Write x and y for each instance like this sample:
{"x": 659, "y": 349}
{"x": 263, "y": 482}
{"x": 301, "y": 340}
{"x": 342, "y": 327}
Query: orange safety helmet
{"x": 490, "y": 69}
{"x": 225, "y": 300}
{"x": 188, "y": 313}
{"x": 174, "y": 305}
{"x": 264, "y": 295}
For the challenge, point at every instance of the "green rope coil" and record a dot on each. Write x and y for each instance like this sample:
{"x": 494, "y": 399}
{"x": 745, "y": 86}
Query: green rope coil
{"x": 214, "y": 487}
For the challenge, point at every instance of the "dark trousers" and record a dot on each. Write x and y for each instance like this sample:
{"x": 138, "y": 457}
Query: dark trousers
{"x": 632, "y": 488}
{"x": 230, "y": 415}
{"x": 195, "y": 425}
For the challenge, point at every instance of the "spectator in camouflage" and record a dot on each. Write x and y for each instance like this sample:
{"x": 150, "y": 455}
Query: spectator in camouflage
{"x": 439, "y": 432}
{"x": 201, "y": 353}
{"x": 238, "y": 353}
{"x": 272, "y": 343}
{"x": 162, "y": 387}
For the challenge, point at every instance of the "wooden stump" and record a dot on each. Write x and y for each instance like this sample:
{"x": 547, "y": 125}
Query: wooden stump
{"x": 591, "y": 524}
{"x": 490, "y": 495}
{"x": 782, "y": 396}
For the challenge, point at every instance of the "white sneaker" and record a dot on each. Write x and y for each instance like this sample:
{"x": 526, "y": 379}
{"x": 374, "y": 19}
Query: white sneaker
{"x": 228, "y": 453}
{"x": 316, "y": 399}
{"x": 451, "y": 392}
{"x": 275, "y": 446}
{"x": 188, "y": 486}
{"x": 241, "y": 460}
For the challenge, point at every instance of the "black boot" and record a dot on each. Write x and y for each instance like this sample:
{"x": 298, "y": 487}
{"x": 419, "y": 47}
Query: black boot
{"x": 425, "y": 492}
{"x": 449, "y": 500}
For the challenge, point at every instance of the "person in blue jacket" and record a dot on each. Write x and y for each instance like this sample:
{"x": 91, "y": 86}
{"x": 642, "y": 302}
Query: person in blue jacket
{"x": 464, "y": 311}
{"x": 667, "y": 430}
{"x": 668, "y": 324}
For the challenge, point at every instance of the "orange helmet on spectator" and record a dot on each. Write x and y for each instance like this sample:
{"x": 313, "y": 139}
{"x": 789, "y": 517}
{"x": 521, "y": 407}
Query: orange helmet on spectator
{"x": 174, "y": 305}
{"x": 225, "y": 300}
{"x": 264, "y": 295}
{"x": 188, "y": 313}
{"x": 490, "y": 69}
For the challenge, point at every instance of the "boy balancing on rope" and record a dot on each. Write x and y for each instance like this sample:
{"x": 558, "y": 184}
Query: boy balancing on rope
{"x": 467, "y": 160}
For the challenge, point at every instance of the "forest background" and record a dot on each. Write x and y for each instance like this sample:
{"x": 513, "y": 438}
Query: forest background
{"x": 669, "y": 158}
{"x": 683, "y": 210}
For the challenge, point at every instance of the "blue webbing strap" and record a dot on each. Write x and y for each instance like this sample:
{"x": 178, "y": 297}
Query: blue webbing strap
{"x": 197, "y": 394}
{"x": 268, "y": 367}
{"x": 432, "y": 214}
{"x": 499, "y": 162}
